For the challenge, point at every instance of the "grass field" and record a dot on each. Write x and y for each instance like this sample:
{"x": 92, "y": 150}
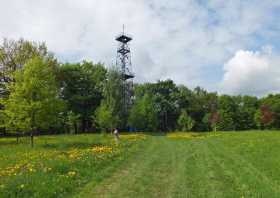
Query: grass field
{"x": 231, "y": 164}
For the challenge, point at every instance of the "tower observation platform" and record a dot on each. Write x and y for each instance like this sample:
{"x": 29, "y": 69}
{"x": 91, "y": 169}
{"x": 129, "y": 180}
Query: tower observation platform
{"x": 124, "y": 55}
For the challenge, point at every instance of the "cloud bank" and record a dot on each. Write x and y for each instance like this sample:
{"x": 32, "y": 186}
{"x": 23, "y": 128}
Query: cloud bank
{"x": 252, "y": 73}
{"x": 188, "y": 41}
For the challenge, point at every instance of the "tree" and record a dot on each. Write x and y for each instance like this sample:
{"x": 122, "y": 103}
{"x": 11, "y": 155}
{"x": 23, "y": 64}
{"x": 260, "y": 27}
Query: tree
{"x": 15, "y": 54}
{"x": 113, "y": 101}
{"x": 226, "y": 122}
{"x": 244, "y": 111}
{"x": 105, "y": 117}
{"x": 271, "y": 104}
{"x": 166, "y": 101}
{"x": 264, "y": 117}
{"x": 211, "y": 120}
{"x": 82, "y": 86}
{"x": 185, "y": 122}
{"x": 72, "y": 121}
{"x": 202, "y": 103}
{"x": 143, "y": 115}
{"x": 33, "y": 102}
{"x": 228, "y": 113}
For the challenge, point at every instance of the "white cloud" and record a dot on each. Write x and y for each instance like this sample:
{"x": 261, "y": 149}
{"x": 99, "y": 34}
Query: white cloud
{"x": 249, "y": 72}
{"x": 178, "y": 39}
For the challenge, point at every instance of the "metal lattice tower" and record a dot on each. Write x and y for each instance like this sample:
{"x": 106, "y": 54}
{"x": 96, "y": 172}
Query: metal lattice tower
{"x": 123, "y": 62}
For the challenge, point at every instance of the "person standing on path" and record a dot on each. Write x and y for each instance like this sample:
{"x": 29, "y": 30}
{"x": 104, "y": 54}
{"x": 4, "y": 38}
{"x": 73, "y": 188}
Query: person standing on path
{"x": 116, "y": 134}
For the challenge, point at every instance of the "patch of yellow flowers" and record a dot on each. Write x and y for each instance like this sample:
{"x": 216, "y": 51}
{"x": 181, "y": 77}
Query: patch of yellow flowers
{"x": 32, "y": 162}
{"x": 102, "y": 149}
{"x": 76, "y": 154}
{"x": 17, "y": 169}
{"x": 73, "y": 155}
{"x": 180, "y": 135}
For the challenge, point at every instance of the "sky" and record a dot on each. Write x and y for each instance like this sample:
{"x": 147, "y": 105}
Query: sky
{"x": 232, "y": 46}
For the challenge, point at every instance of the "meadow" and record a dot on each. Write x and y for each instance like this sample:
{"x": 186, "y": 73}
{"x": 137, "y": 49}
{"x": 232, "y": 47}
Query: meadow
{"x": 221, "y": 164}
{"x": 59, "y": 166}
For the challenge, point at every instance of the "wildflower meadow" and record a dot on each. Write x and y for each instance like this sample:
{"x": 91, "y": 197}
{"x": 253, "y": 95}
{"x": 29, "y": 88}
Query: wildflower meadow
{"x": 176, "y": 164}
{"x": 59, "y": 165}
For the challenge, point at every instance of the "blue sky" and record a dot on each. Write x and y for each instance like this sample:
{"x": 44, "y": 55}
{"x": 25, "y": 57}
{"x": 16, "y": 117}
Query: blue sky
{"x": 228, "y": 46}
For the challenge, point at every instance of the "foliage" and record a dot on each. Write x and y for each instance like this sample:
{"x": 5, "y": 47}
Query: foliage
{"x": 106, "y": 118}
{"x": 113, "y": 103}
{"x": 211, "y": 120}
{"x": 185, "y": 122}
{"x": 226, "y": 122}
{"x": 15, "y": 54}
{"x": 87, "y": 89}
{"x": 271, "y": 111}
{"x": 33, "y": 102}
{"x": 166, "y": 103}
{"x": 264, "y": 117}
{"x": 143, "y": 115}
{"x": 82, "y": 85}
{"x": 72, "y": 121}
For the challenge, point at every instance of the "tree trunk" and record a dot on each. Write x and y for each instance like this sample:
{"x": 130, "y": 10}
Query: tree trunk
{"x": 75, "y": 128}
{"x": 83, "y": 125}
{"x": 32, "y": 139}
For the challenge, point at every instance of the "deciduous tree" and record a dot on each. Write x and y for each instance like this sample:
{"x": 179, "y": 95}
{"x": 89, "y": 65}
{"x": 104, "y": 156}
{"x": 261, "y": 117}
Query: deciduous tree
{"x": 185, "y": 122}
{"x": 33, "y": 102}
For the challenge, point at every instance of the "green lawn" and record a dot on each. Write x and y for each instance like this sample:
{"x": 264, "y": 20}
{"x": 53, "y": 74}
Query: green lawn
{"x": 229, "y": 164}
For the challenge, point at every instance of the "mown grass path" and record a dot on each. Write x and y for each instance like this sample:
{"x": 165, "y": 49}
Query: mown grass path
{"x": 230, "y": 165}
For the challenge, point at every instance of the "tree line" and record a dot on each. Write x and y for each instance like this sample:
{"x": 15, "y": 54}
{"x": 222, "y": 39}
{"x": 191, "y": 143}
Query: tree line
{"x": 38, "y": 94}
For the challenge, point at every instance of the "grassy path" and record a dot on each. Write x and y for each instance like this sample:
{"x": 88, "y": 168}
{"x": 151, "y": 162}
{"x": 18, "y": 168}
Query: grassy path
{"x": 207, "y": 167}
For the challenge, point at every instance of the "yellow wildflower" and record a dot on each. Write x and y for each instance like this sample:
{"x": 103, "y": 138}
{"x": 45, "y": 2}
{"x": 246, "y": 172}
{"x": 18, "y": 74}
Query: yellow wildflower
{"x": 102, "y": 149}
{"x": 71, "y": 173}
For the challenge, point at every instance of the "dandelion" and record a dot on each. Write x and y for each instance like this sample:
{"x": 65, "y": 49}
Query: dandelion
{"x": 22, "y": 186}
{"x": 102, "y": 149}
{"x": 71, "y": 173}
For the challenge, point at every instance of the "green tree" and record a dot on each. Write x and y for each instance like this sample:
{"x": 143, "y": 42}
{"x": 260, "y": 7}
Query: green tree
{"x": 166, "y": 101}
{"x": 201, "y": 103}
{"x": 228, "y": 113}
{"x": 33, "y": 102}
{"x": 226, "y": 122}
{"x": 82, "y": 86}
{"x": 72, "y": 121}
{"x": 245, "y": 108}
{"x": 185, "y": 122}
{"x": 113, "y": 94}
{"x": 14, "y": 54}
{"x": 143, "y": 115}
{"x": 211, "y": 120}
{"x": 106, "y": 118}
